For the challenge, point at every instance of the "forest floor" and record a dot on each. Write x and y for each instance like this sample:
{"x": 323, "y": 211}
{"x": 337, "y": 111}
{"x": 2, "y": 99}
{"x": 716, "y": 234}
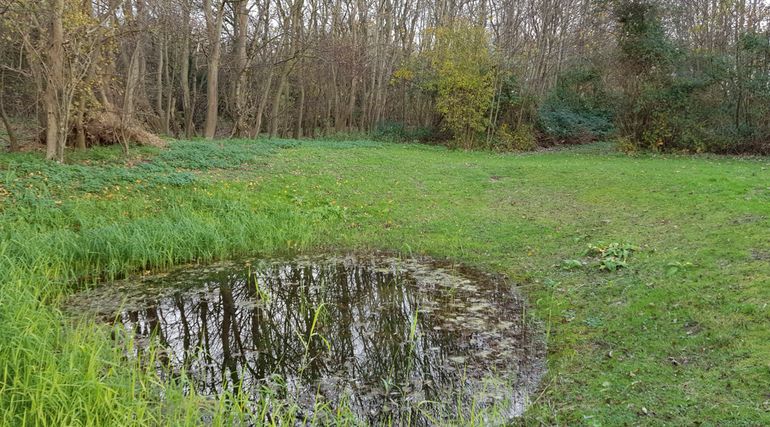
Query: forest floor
{"x": 679, "y": 336}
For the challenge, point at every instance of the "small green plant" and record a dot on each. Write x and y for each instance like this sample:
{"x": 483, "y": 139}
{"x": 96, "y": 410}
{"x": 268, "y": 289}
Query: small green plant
{"x": 613, "y": 256}
{"x": 593, "y": 322}
{"x": 551, "y": 283}
{"x": 673, "y": 268}
{"x": 572, "y": 264}
{"x": 568, "y": 315}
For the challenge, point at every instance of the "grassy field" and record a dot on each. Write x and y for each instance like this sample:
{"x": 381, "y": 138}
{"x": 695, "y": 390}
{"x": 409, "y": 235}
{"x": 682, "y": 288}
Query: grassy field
{"x": 678, "y": 337}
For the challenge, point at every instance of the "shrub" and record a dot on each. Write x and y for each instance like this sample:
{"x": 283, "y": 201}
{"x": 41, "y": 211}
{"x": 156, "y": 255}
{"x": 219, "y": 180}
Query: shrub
{"x": 625, "y": 145}
{"x": 523, "y": 138}
{"x": 566, "y": 125}
{"x": 578, "y": 109}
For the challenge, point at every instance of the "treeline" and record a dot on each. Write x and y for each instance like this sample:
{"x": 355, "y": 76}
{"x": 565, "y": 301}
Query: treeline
{"x": 689, "y": 75}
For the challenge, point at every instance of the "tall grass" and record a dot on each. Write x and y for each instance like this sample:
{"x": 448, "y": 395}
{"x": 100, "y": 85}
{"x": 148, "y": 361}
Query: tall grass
{"x": 57, "y": 372}
{"x": 55, "y": 234}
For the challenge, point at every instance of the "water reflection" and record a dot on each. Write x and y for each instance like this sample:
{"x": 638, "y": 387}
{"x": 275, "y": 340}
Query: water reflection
{"x": 383, "y": 334}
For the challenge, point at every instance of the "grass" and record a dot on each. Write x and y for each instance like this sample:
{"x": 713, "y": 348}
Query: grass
{"x": 677, "y": 337}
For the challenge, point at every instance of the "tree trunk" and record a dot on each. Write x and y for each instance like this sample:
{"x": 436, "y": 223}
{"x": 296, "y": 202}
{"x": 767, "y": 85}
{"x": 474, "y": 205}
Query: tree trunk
{"x": 54, "y": 82}
{"x": 13, "y": 143}
{"x": 276, "y": 107}
{"x": 240, "y": 67}
{"x": 170, "y": 98}
{"x": 352, "y": 104}
{"x": 300, "y": 112}
{"x": 132, "y": 77}
{"x": 262, "y": 104}
{"x": 80, "y": 132}
{"x": 159, "y": 88}
{"x": 214, "y": 27}
{"x": 184, "y": 78}
{"x": 338, "y": 122}
{"x": 212, "y": 96}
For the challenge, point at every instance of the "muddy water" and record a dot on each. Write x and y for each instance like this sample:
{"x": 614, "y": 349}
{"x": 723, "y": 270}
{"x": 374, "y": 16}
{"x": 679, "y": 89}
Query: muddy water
{"x": 393, "y": 339}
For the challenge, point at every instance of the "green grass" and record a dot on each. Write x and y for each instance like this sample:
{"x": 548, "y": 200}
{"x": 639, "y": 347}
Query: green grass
{"x": 678, "y": 337}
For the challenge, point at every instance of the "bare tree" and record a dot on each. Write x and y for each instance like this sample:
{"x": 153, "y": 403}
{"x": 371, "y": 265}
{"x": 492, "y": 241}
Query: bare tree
{"x": 214, "y": 12}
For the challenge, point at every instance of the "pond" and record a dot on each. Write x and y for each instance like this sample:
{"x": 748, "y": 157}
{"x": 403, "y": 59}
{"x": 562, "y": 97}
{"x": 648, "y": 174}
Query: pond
{"x": 408, "y": 340}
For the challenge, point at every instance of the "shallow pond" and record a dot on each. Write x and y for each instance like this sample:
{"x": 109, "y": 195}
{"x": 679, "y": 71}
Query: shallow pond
{"x": 394, "y": 339}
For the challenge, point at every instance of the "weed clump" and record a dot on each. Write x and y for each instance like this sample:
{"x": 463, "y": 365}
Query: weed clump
{"x": 613, "y": 256}
{"x": 607, "y": 257}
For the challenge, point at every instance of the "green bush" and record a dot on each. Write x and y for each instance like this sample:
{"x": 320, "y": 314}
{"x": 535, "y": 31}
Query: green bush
{"x": 578, "y": 109}
{"x": 566, "y": 125}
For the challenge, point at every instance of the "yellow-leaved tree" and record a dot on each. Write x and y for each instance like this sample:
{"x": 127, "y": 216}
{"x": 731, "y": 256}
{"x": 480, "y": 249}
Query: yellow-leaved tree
{"x": 463, "y": 77}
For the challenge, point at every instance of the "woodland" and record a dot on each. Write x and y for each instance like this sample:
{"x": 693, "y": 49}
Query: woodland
{"x": 689, "y": 75}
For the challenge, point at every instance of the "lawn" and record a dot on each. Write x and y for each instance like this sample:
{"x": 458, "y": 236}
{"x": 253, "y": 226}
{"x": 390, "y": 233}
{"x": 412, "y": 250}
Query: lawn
{"x": 679, "y": 336}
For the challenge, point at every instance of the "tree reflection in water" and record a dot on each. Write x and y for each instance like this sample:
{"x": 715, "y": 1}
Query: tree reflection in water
{"x": 250, "y": 325}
